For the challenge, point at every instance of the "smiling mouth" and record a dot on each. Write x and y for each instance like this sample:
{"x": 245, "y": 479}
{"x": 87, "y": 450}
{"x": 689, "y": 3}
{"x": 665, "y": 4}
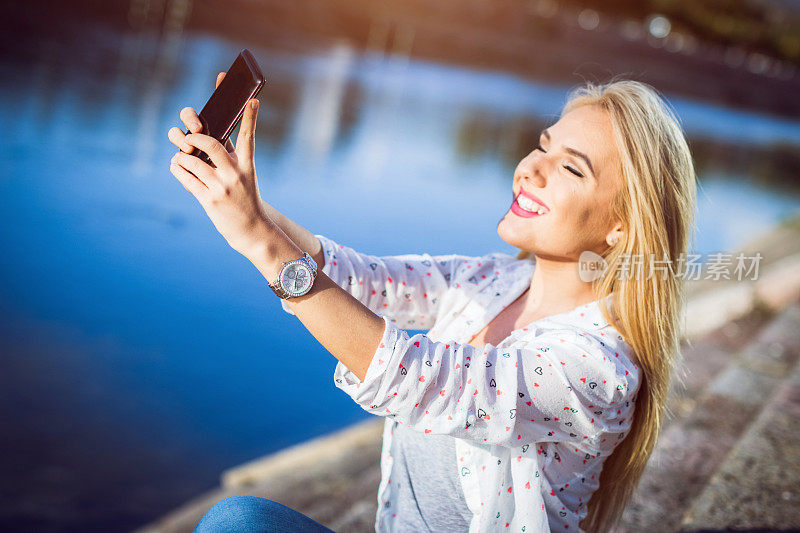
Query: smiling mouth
{"x": 528, "y": 206}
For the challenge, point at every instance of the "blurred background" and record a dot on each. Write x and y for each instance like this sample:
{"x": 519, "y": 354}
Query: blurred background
{"x": 140, "y": 355}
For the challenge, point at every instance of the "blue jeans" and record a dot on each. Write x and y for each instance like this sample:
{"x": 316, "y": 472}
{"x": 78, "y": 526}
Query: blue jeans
{"x": 251, "y": 514}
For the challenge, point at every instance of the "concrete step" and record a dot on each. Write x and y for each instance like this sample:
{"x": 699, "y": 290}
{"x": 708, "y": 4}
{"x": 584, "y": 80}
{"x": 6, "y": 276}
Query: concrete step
{"x": 714, "y": 302}
{"x": 691, "y": 449}
{"x": 706, "y": 356}
{"x": 757, "y": 485}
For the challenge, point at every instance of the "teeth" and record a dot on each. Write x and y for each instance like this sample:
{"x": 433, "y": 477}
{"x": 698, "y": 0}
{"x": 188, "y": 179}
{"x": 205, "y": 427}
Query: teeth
{"x": 529, "y": 205}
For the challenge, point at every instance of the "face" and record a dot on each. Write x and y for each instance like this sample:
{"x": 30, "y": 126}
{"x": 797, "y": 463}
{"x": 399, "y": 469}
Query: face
{"x": 561, "y": 203}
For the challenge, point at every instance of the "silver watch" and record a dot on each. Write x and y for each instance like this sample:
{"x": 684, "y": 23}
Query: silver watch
{"x": 296, "y": 277}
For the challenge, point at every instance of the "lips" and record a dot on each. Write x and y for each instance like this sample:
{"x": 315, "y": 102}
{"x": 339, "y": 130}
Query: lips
{"x": 517, "y": 210}
{"x": 523, "y": 212}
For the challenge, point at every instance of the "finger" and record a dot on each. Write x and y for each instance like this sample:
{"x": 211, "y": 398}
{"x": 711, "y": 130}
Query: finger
{"x": 189, "y": 182}
{"x": 201, "y": 170}
{"x": 178, "y": 136}
{"x": 220, "y": 76}
{"x": 245, "y": 142}
{"x": 216, "y": 152}
{"x": 229, "y": 146}
{"x": 191, "y": 120}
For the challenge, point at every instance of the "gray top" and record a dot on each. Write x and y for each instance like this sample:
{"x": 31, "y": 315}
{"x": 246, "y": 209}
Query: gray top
{"x": 429, "y": 494}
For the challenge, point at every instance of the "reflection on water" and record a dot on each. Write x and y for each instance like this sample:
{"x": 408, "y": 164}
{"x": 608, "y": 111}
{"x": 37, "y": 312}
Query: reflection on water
{"x": 141, "y": 352}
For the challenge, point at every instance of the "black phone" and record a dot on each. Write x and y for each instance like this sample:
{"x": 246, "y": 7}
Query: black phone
{"x": 225, "y": 108}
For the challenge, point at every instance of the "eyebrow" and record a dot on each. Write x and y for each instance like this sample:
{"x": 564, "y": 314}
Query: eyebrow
{"x": 574, "y": 152}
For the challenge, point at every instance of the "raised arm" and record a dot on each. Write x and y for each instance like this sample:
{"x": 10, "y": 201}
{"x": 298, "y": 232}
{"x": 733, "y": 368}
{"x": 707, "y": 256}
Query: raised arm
{"x": 227, "y": 190}
{"x": 406, "y": 288}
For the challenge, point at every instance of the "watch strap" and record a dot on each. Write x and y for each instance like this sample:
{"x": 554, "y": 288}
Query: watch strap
{"x": 277, "y": 288}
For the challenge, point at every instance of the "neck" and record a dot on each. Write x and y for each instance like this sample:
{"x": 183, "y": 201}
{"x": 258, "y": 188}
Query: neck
{"x": 556, "y": 288}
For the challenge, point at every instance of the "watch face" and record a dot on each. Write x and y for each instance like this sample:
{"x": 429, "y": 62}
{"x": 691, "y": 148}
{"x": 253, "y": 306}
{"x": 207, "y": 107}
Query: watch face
{"x": 296, "y": 278}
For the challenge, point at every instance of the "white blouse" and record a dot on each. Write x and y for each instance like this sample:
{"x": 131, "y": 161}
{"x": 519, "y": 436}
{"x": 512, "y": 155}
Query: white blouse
{"x": 533, "y": 418}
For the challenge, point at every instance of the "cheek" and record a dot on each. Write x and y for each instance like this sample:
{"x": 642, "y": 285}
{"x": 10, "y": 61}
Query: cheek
{"x": 581, "y": 220}
{"x": 592, "y": 223}
{"x": 576, "y": 208}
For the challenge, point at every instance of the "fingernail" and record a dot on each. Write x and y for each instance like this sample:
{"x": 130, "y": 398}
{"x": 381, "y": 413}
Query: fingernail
{"x": 254, "y": 104}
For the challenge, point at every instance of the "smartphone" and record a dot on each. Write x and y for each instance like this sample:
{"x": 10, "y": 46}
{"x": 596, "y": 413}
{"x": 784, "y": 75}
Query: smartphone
{"x": 224, "y": 110}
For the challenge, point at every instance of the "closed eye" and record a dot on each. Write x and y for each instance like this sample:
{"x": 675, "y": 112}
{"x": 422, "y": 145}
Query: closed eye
{"x": 539, "y": 147}
{"x": 574, "y": 171}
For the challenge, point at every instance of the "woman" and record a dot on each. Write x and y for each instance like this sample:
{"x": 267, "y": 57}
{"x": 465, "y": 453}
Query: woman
{"x": 516, "y": 410}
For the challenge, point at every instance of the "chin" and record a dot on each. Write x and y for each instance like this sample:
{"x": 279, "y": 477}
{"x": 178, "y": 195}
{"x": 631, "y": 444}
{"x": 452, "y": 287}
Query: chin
{"x": 515, "y": 239}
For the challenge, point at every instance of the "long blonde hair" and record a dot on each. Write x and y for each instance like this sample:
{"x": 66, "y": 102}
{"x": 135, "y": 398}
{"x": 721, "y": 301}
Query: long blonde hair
{"x": 656, "y": 205}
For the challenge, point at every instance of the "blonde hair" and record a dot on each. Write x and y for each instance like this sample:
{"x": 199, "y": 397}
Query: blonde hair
{"x": 656, "y": 206}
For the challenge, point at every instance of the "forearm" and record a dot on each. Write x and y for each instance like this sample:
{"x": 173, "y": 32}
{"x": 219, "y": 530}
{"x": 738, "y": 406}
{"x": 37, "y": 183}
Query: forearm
{"x": 297, "y": 233}
{"x": 342, "y": 324}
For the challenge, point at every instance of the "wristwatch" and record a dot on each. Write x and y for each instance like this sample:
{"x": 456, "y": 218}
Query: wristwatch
{"x": 296, "y": 277}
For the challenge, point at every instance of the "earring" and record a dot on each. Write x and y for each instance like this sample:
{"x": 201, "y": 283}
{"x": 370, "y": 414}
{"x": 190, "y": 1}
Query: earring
{"x": 613, "y": 240}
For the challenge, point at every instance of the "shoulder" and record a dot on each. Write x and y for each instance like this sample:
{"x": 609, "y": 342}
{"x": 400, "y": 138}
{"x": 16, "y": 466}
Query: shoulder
{"x": 586, "y": 351}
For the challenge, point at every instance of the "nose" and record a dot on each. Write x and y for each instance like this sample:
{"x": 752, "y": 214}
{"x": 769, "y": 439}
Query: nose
{"x": 532, "y": 176}
{"x": 532, "y": 172}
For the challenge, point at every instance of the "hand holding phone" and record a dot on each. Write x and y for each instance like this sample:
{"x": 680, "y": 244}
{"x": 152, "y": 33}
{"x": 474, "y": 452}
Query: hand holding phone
{"x": 227, "y": 187}
{"x": 224, "y": 109}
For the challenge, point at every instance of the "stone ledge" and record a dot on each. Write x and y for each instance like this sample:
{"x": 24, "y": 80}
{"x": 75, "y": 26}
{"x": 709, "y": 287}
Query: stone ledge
{"x": 690, "y": 450}
{"x": 757, "y": 485}
{"x": 329, "y": 448}
{"x": 776, "y": 287}
{"x": 710, "y": 303}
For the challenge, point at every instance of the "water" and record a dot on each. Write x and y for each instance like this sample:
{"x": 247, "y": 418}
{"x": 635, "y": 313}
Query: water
{"x": 141, "y": 355}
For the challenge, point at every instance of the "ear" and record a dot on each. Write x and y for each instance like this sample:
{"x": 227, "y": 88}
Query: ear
{"x": 615, "y": 235}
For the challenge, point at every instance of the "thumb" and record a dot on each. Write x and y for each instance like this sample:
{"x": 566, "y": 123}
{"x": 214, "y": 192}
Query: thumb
{"x": 245, "y": 141}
